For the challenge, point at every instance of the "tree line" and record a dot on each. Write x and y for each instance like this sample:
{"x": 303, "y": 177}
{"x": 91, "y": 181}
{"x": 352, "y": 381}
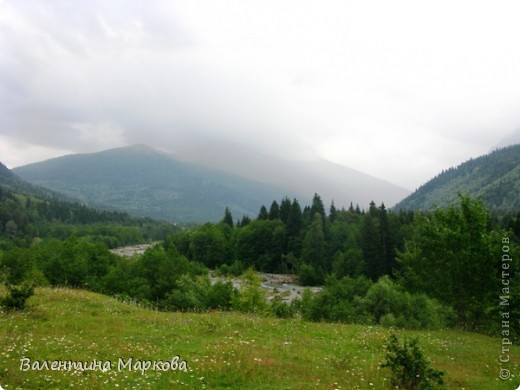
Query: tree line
{"x": 24, "y": 218}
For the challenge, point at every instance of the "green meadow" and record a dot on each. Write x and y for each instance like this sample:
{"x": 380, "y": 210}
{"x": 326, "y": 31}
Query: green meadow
{"x": 220, "y": 349}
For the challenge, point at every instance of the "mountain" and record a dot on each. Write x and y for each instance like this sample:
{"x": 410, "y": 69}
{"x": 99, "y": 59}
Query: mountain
{"x": 510, "y": 139}
{"x": 14, "y": 183}
{"x": 494, "y": 177}
{"x": 331, "y": 181}
{"x": 146, "y": 182}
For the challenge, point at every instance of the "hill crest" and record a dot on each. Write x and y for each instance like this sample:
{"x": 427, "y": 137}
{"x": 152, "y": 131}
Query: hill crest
{"x": 494, "y": 177}
{"x": 147, "y": 182}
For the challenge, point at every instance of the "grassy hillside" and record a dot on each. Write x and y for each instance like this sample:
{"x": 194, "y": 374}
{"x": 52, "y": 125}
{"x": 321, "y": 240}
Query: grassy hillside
{"x": 222, "y": 350}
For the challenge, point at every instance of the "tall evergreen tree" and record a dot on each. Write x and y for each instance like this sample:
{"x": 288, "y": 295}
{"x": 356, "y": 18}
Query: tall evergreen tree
{"x": 318, "y": 207}
{"x": 274, "y": 211}
{"x": 313, "y": 250}
{"x": 333, "y": 212}
{"x": 263, "y": 215}
{"x": 370, "y": 245}
{"x": 228, "y": 218}
{"x": 245, "y": 221}
{"x": 285, "y": 209}
{"x": 294, "y": 227}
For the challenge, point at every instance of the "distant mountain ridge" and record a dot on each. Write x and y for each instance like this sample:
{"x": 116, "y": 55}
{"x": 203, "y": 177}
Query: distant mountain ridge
{"x": 333, "y": 182}
{"x": 14, "y": 183}
{"x": 146, "y": 182}
{"x": 494, "y": 177}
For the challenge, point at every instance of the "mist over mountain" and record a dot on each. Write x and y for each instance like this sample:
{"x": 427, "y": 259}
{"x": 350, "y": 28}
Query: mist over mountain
{"x": 332, "y": 181}
{"x": 197, "y": 185}
{"x": 146, "y": 182}
{"x": 510, "y": 139}
{"x": 494, "y": 177}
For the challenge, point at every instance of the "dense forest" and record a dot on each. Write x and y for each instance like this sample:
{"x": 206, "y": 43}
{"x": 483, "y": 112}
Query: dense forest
{"x": 417, "y": 270}
{"x": 494, "y": 177}
{"x": 26, "y": 217}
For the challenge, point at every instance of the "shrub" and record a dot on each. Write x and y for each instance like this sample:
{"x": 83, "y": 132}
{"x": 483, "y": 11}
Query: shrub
{"x": 17, "y": 296}
{"x": 309, "y": 276}
{"x": 220, "y": 296}
{"x": 410, "y": 369}
{"x": 189, "y": 294}
{"x": 251, "y": 298}
{"x": 283, "y": 310}
{"x": 391, "y": 306}
{"x": 235, "y": 269}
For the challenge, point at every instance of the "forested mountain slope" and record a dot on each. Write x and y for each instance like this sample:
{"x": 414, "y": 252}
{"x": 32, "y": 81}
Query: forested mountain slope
{"x": 494, "y": 177}
{"x": 146, "y": 182}
{"x": 10, "y": 181}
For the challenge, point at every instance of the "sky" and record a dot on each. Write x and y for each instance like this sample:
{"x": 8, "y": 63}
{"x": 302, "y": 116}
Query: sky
{"x": 397, "y": 89}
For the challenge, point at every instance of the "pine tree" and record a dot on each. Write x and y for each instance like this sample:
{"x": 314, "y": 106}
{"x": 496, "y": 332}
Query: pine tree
{"x": 285, "y": 209}
{"x": 228, "y": 218}
{"x": 317, "y": 207}
{"x": 294, "y": 226}
{"x": 245, "y": 221}
{"x": 263, "y": 215}
{"x": 313, "y": 250}
{"x": 274, "y": 211}
{"x": 333, "y": 213}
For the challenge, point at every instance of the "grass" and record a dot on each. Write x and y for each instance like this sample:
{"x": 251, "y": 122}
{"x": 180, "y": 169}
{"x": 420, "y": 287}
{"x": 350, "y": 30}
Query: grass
{"x": 222, "y": 350}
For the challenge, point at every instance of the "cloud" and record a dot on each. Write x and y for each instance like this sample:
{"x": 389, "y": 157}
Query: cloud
{"x": 375, "y": 86}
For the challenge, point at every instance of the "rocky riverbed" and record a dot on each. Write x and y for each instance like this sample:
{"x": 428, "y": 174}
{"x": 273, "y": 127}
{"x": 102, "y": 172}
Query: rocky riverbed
{"x": 282, "y": 286}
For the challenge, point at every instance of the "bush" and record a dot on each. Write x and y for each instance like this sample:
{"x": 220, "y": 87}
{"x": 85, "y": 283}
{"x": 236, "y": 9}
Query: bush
{"x": 17, "y": 297}
{"x": 235, "y": 269}
{"x": 391, "y": 306}
{"x": 220, "y": 296}
{"x": 309, "y": 276}
{"x": 410, "y": 369}
{"x": 251, "y": 298}
{"x": 189, "y": 294}
{"x": 283, "y": 310}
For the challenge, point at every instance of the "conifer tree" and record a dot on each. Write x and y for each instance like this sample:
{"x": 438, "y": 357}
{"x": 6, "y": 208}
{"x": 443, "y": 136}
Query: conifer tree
{"x": 285, "y": 209}
{"x": 294, "y": 226}
{"x": 228, "y": 218}
{"x": 333, "y": 212}
{"x": 274, "y": 211}
{"x": 317, "y": 207}
{"x": 263, "y": 215}
{"x": 313, "y": 249}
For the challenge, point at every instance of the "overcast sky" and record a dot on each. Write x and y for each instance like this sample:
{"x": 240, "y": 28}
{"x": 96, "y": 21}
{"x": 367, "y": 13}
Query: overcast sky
{"x": 396, "y": 89}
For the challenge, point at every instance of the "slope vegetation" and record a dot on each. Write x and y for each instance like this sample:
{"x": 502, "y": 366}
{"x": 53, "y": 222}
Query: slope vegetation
{"x": 221, "y": 350}
{"x": 146, "y": 182}
{"x": 494, "y": 177}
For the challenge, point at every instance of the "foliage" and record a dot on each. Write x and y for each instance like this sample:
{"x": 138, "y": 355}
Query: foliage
{"x": 282, "y": 309}
{"x": 377, "y": 267}
{"x": 25, "y": 217}
{"x": 410, "y": 369}
{"x": 17, "y": 296}
{"x": 251, "y": 298}
{"x": 389, "y": 305}
{"x": 359, "y": 300}
{"x": 235, "y": 269}
{"x": 457, "y": 247}
{"x": 494, "y": 177}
